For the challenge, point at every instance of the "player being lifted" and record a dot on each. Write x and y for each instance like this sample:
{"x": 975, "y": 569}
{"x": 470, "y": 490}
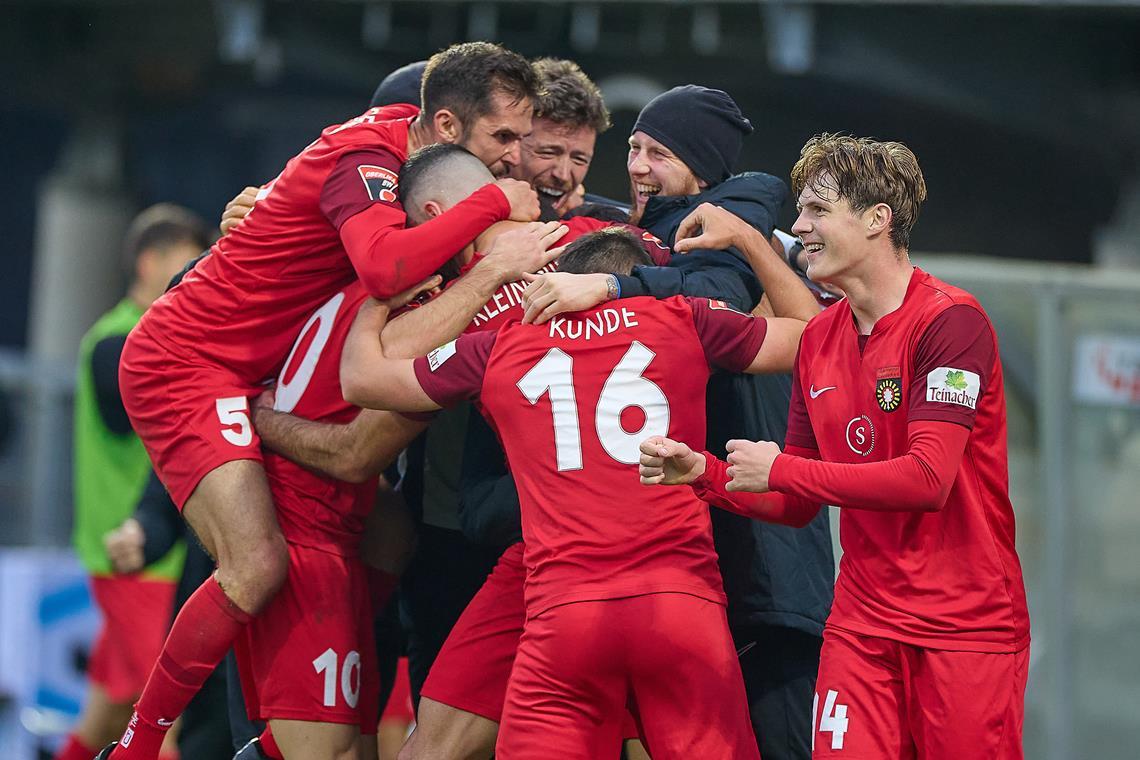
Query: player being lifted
{"x": 190, "y": 366}
{"x": 623, "y": 607}
{"x": 898, "y": 418}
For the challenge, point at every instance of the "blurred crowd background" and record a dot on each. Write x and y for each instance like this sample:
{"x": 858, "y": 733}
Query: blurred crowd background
{"x": 1025, "y": 116}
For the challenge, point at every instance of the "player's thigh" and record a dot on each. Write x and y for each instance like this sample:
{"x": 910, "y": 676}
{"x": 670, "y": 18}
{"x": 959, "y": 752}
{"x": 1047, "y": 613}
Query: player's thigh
{"x": 686, "y": 680}
{"x": 191, "y": 416}
{"x": 859, "y": 708}
{"x": 444, "y": 732}
{"x": 310, "y": 655}
{"x": 473, "y": 666}
{"x": 310, "y": 740}
{"x": 966, "y": 704}
{"x": 567, "y": 692}
{"x": 231, "y": 511}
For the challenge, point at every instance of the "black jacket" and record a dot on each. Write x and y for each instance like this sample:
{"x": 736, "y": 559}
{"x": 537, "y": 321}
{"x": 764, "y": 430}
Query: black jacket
{"x": 754, "y": 197}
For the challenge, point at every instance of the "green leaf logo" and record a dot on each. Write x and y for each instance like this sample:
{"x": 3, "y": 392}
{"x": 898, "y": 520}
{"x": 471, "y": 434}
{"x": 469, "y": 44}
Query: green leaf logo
{"x": 956, "y": 379}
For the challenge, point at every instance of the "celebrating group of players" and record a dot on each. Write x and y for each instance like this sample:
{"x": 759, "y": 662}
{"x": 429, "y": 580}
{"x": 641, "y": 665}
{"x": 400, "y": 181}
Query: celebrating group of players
{"x": 397, "y": 266}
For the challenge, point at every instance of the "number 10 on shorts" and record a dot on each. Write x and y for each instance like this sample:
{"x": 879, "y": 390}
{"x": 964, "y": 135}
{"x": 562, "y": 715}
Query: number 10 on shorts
{"x": 349, "y": 677}
{"x": 834, "y": 718}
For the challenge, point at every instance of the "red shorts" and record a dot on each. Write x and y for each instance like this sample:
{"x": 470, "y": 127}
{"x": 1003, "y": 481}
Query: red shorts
{"x": 136, "y": 618}
{"x": 879, "y": 698}
{"x": 310, "y": 655}
{"x": 669, "y": 657}
{"x": 192, "y": 416}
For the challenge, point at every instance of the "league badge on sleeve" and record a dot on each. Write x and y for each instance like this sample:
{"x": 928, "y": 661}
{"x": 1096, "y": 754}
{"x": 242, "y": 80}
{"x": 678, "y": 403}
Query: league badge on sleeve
{"x": 948, "y": 385}
{"x": 888, "y": 389}
{"x": 718, "y": 305}
{"x": 437, "y": 357}
{"x": 381, "y": 183}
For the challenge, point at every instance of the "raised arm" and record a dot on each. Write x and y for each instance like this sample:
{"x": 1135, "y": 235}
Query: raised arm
{"x": 511, "y": 254}
{"x": 710, "y": 226}
{"x": 370, "y": 379}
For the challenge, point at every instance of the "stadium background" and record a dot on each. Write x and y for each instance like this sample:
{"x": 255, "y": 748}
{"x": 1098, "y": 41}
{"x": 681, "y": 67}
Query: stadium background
{"x": 1025, "y": 116}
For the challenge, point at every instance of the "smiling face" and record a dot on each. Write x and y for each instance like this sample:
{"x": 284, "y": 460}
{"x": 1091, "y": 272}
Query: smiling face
{"x": 656, "y": 170}
{"x": 833, "y": 234}
{"x": 496, "y": 138}
{"x": 555, "y": 159}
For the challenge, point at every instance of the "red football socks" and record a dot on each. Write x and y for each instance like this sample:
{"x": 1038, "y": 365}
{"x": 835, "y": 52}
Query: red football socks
{"x": 73, "y": 749}
{"x": 203, "y": 632}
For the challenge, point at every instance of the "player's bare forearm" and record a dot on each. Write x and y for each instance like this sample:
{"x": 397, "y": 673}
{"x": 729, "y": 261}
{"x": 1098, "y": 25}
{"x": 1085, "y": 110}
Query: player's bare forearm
{"x": 319, "y": 446}
{"x": 787, "y": 294}
{"x": 442, "y": 319}
{"x": 370, "y": 379}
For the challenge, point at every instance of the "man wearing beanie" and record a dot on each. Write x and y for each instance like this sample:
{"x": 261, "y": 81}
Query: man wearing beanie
{"x": 683, "y": 148}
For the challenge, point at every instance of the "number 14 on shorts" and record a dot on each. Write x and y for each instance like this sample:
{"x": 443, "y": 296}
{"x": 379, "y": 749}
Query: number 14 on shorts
{"x": 833, "y": 719}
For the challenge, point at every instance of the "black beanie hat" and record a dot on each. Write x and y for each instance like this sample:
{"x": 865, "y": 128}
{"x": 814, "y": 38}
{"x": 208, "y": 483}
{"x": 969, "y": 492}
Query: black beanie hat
{"x": 401, "y": 86}
{"x": 704, "y": 127}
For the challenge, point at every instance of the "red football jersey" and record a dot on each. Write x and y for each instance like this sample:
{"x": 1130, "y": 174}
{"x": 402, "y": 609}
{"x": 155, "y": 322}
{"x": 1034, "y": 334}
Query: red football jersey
{"x": 949, "y": 579}
{"x": 314, "y": 510}
{"x": 572, "y": 400}
{"x": 241, "y": 307}
{"x": 506, "y": 304}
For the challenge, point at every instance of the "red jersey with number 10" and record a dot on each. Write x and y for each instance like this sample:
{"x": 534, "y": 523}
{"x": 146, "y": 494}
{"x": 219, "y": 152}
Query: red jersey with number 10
{"x": 572, "y": 400}
{"x": 241, "y": 307}
{"x": 949, "y": 579}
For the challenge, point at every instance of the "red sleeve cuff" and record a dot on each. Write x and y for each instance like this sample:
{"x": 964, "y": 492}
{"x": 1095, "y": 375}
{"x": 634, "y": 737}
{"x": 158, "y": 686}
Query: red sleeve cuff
{"x": 713, "y": 480}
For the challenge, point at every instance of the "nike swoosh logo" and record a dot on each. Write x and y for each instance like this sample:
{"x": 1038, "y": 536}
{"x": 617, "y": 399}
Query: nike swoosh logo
{"x": 815, "y": 394}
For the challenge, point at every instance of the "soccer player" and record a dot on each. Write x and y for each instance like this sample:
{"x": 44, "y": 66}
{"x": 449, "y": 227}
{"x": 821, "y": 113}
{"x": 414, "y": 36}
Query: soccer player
{"x": 571, "y": 401}
{"x": 898, "y": 418}
{"x": 682, "y": 150}
{"x": 111, "y": 469}
{"x": 191, "y": 364}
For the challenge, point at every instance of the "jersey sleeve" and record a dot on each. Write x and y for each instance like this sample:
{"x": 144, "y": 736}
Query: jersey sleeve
{"x": 454, "y": 371}
{"x": 658, "y": 252}
{"x": 799, "y": 432}
{"x": 361, "y": 179}
{"x": 953, "y": 360}
{"x": 731, "y": 339}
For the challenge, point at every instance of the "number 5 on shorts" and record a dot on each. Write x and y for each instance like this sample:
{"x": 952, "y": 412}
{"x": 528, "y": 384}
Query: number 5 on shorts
{"x": 233, "y": 413}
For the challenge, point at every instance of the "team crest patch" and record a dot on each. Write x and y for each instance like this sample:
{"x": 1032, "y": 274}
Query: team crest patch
{"x": 888, "y": 393}
{"x": 948, "y": 385}
{"x": 437, "y": 357}
{"x": 380, "y": 183}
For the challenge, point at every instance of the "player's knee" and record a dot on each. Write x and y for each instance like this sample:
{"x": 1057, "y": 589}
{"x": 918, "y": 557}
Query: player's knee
{"x": 260, "y": 570}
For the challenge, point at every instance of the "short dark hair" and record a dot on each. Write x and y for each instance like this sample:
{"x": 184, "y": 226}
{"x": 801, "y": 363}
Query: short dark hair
{"x": 463, "y": 78}
{"x": 424, "y": 161}
{"x": 569, "y": 97}
{"x": 162, "y": 226}
{"x": 614, "y": 249}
